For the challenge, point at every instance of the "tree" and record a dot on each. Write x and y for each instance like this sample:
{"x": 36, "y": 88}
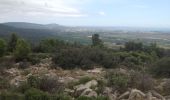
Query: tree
{"x": 96, "y": 41}
{"x": 133, "y": 46}
{"x": 12, "y": 42}
{"x": 22, "y": 50}
{"x": 2, "y": 47}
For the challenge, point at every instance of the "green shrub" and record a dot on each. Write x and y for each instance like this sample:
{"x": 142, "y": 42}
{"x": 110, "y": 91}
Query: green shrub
{"x": 23, "y": 87}
{"x": 92, "y": 98}
{"x": 47, "y": 84}
{"x": 72, "y": 58}
{"x": 35, "y": 94}
{"x": 118, "y": 81}
{"x": 85, "y": 98}
{"x": 84, "y": 80}
{"x": 4, "y": 84}
{"x": 11, "y": 96}
{"x": 35, "y": 58}
{"x": 161, "y": 68}
{"x": 101, "y": 86}
{"x": 60, "y": 97}
{"x": 33, "y": 82}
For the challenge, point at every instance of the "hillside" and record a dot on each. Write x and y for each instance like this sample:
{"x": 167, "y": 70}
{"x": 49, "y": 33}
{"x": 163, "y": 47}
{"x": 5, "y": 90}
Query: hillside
{"x": 25, "y": 25}
{"x": 29, "y": 34}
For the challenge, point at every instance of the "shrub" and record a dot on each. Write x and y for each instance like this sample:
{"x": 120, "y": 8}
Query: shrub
{"x": 84, "y": 58}
{"x": 92, "y": 98}
{"x": 35, "y": 58}
{"x": 161, "y": 68}
{"x": 118, "y": 81}
{"x": 33, "y": 81}
{"x": 51, "y": 85}
{"x": 6, "y": 62}
{"x": 10, "y": 96}
{"x": 24, "y": 64}
{"x": 35, "y": 94}
{"x": 71, "y": 58}
{"x": 85, "y": 98}
{"x": 4, "y": 84}
{"x": 166, "y": 88}
{"x": 84, "y": 80}
{"x": 101, "y": 86}
{"x": 60, "y": 97}
{"x": 23, "y": 87}
{"x": 141, "y": 81}
{"x": 47, "y": 84}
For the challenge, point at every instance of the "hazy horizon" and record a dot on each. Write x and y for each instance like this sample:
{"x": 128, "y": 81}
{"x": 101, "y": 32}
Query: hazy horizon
{"x": 105, "y": 13}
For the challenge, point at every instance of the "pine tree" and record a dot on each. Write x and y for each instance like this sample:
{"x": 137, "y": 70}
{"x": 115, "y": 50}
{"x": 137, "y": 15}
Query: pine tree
{"x": 2, "y": 47}
{"x": 96, "y": 41}
{"x": 22, "y": 50}
{"x": 12, "y": 42}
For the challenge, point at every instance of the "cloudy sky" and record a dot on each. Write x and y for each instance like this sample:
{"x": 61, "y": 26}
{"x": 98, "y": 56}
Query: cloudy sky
{"x": 142, "y": 13}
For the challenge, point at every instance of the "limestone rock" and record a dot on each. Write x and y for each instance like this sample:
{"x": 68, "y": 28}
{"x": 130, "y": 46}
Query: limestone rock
{"x": 89, "y": 93}
{"x": 91, "y": 83}
{"x": 136, "y": 95}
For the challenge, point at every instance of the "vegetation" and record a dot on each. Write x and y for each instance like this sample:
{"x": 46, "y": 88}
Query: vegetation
{"x": 12, "y": 42}
{"x": 22, "y": 50}
{"x": 141, "y": 61}
{"x": 2, "y": 47}
{"x": 161, "y": 68}
{"x": 96, "y": 41}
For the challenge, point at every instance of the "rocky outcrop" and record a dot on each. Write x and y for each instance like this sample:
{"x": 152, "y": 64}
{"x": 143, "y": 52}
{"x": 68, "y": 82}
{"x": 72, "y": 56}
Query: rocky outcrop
{"x": 85, "y": 89}
{"x": 135, "y": 94}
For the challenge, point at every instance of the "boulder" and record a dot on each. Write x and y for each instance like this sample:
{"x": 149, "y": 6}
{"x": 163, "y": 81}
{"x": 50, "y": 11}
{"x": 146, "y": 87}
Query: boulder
{"x": 13, "y": 72}
{"x": 136, "y": 95}
{"x": 85, "y": 87}
{"x": 108, "y": 92}
{"x": 69, "y": 91}
{"x": 91, "y": 83}
{"x": 89, "y": 93}
{"x": 95, "y": 71}
{"x": 18, "y": 80}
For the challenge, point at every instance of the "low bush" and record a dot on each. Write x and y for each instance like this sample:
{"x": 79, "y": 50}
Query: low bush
{"x": 141, "y": 81}
{"x": 161, "y": 68}
{"x": 51, "y": 85}
{"x": 35, "y": 94}
{"x": 118, "y": 81}
{"x": 92, "y": 98}
{"x": 60, "y": 97}
{"x": 166, "y": 88}
{"x": 101, "y": 86}
{"x": 84, "y": 80}
{"x": 47, "y": 84}
{"x": 4, "y": 84}
{"x": 11, "y": 96}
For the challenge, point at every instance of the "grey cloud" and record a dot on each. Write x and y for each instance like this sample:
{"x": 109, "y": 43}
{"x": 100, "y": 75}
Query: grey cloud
{"x": 37, "y": 7}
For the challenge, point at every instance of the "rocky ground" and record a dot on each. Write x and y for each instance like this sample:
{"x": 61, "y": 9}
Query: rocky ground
{"x": 17, "y": 76}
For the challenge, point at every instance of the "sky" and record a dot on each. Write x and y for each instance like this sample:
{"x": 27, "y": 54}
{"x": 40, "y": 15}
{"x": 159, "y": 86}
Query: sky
{"x": 132, "y": 13}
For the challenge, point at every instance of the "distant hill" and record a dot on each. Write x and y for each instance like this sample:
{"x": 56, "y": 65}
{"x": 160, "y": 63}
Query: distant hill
{"x": 25, "y": 25}
{"x": 31, "y": 34}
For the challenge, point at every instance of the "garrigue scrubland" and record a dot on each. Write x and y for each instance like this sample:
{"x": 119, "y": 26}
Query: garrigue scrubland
{"x": 57, "y": 70}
